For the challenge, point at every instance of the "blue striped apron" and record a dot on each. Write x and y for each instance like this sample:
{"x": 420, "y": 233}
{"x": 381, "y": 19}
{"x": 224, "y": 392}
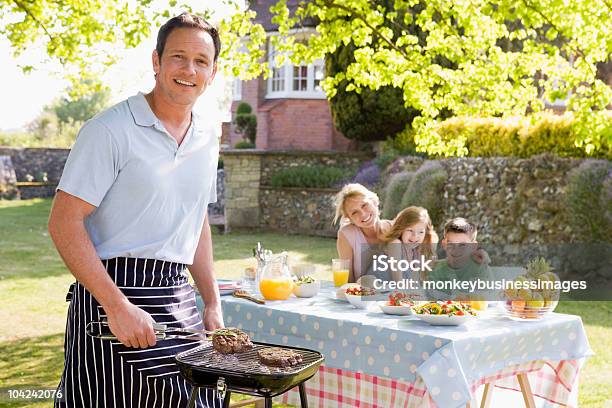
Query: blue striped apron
{"x": 104, "y": 373}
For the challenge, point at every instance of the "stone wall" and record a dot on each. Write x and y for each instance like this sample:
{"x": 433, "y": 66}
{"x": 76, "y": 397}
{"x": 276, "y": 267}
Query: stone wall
{"x": 298, "y": 211}
{"x": 250, "y": 201}
{"x": 242, "y": 178}
{"x": 36, "y": 161}
{"x": 8, "y": 180}
{"x": 512, "y": 200}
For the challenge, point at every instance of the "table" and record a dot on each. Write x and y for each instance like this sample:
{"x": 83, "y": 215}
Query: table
{"x": 417, "y": 363}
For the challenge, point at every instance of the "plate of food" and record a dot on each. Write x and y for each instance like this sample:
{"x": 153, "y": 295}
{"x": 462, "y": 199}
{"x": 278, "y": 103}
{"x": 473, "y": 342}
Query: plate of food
{"x": 447, "y": 313}
{"x": 359, "y": 296}
{"x": 398, "y": 304}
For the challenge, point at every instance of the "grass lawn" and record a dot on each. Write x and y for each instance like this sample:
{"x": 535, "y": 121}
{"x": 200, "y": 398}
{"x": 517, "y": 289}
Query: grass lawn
{"x": 33, "y": 283}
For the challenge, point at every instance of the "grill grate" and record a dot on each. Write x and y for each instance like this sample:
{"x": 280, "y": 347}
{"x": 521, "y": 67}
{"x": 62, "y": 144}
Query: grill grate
{"x": 205, "y": 357}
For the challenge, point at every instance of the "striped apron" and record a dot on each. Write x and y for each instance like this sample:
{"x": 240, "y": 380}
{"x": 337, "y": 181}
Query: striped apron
{"x": 104, "y": 373}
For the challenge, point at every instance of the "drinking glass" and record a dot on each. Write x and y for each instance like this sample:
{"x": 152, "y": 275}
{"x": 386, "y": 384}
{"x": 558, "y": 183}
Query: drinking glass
{"x": 340, "y": 270}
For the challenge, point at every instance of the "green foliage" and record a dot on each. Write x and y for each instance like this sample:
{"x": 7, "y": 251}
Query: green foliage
{"x": 246, "y": 122}
{"x": 471, "y": 58}
{"x": 427, "y": 190}
{"x": 81, "y": 108}
{"x": 83, "y": 36}
{"x": 367, "y": 115}
{"x": 243, "y": 108}
{"x": 397, "y": 186}
{"x": 424, "y": 188}
{"x": 391, "y": 149}
{"x": 244, "y": 144}
{"x": 520, "y": 137}
{"x": 309, "y": 177}
{"x": 589, "y": 200}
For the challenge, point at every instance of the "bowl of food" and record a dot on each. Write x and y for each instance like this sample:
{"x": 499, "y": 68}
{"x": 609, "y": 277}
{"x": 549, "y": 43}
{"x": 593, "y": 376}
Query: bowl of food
{"x": 341, "y": 291}
{"x": 306, "y": 286}
{"x": 359, "y": 297}
{"x": 398, "y": 304}
{"x": 447, "y": 313}
{"x": 533, "y": 295}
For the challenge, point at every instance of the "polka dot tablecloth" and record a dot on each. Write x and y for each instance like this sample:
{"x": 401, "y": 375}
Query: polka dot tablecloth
{"x": 447, "y": 359}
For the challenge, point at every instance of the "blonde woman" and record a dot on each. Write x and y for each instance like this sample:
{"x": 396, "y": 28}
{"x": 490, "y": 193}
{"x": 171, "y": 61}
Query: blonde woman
{"x": 360, "y": 224}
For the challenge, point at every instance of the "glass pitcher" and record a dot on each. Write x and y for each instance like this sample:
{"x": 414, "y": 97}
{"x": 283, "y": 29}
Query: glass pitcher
{"x": 275, "y": 282}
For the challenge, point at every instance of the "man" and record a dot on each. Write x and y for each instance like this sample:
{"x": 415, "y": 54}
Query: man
{"x": 130, "y": 213}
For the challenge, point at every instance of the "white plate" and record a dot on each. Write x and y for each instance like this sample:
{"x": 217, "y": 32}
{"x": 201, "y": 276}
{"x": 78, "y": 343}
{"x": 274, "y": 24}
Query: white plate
{"x": 395, "y": 310}
{"x": 358, "y": 301}
{"x": 444, "y": 320}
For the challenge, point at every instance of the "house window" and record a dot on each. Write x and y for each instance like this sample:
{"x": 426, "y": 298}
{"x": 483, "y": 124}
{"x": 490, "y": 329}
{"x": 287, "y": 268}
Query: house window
{"x": 278, "y": 79}
{"x": 294, "y": 81}
{"x": 237, "y": 90}
{"x": 300, "y": 77}
{"x": 319, "y": 74}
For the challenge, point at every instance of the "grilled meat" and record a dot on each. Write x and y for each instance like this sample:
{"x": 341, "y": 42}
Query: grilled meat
{"x": 231, "y": 340}
{"x": 278, "y": 357}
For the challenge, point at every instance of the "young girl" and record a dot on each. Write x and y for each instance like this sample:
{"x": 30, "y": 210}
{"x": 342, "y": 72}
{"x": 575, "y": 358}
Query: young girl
{"x": 411, "y": 235}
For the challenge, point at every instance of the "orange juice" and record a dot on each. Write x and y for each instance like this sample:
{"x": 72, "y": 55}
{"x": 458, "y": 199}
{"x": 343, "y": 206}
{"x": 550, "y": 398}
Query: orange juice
{"x": 276, "y": 288}
{"x": 341, "y": 277}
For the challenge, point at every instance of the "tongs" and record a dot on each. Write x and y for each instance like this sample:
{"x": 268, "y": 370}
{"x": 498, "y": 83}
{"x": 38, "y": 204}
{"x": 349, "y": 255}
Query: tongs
{"x": 100, "y": 330}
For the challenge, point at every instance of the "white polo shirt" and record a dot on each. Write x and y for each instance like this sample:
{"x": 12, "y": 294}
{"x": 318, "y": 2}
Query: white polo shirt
{"x": 151, "y": 194}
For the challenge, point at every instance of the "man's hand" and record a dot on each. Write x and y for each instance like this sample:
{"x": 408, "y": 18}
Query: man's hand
{"x": 132, "y": 326}
{"x": 213, "y": 318}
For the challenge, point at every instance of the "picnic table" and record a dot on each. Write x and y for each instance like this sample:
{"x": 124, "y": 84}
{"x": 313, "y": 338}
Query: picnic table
{"x": 378, "y": 360}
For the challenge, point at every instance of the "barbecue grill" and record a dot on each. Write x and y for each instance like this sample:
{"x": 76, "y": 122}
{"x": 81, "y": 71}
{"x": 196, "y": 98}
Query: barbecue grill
{"x": 243, "y": 373}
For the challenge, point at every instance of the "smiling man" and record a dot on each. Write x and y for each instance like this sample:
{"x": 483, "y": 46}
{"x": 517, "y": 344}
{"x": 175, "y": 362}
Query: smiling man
{"x": 129, "y": 216}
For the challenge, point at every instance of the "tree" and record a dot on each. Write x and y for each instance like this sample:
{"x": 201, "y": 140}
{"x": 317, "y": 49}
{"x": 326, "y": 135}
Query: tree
{"x": 463, "y": 66}
{"x": 246, "y": 122}
{"x": 367, "y": 115}
{"x": 460, "y": 66}
{"x": 81, "y": 108}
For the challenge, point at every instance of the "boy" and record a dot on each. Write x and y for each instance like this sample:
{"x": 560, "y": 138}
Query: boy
{"x": 464, "y": 261}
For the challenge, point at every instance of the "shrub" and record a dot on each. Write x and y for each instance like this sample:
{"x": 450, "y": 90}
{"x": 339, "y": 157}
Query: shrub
{"x": 589, "y": 200}
{"x": 309, "y": 177}
{"x": 518, "y": 137}
{"x": 246, "y": 122}
{"x": 398, "y": 184}
{"x": 368, "y": 174}
{"x": 427, "y": 190}
{"x": 243, "y": 108}
{"x": 244, "y": 144}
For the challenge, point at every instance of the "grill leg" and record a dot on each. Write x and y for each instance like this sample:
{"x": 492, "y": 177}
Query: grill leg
{"x": 193, "y": 396}
{"x": 268, "y": 403}
{"x": 303, "y": 396}
{"x": 226, "y": 400}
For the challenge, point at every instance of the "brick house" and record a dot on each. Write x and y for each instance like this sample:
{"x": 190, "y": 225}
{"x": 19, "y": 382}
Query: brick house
{"x": 292, "y": 110}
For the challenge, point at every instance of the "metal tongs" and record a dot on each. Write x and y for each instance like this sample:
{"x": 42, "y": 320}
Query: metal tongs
{"x": 100, "y": 330}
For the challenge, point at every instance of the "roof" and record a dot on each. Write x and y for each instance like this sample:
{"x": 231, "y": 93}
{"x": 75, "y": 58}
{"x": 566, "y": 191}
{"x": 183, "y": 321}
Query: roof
{"x": 264, "y": 16}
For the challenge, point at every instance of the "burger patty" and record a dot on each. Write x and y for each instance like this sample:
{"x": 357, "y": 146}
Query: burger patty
{"x": 231, "y": 340}
{"x": 277, "y": 357}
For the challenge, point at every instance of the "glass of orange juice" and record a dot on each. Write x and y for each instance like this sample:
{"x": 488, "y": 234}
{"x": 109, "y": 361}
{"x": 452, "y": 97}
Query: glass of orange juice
{"x": 340, "y": 270}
